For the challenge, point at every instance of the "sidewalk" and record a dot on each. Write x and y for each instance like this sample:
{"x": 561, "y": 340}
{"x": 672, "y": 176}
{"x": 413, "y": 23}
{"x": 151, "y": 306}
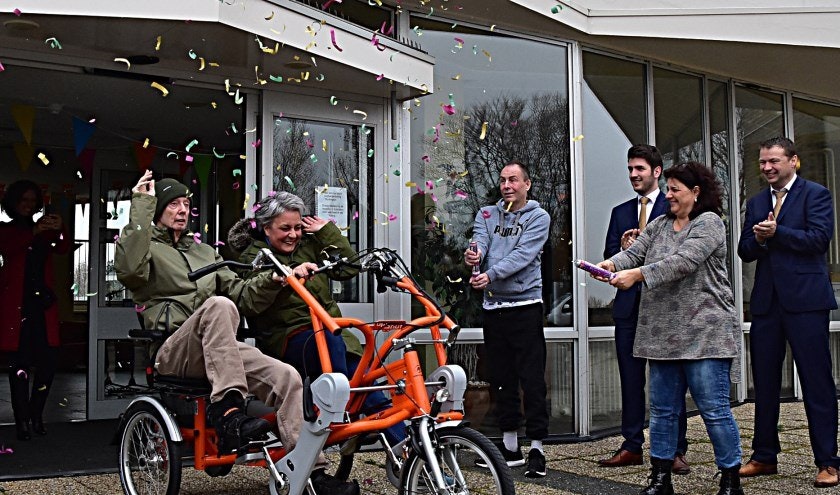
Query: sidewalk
{"x": 573, "y": 469}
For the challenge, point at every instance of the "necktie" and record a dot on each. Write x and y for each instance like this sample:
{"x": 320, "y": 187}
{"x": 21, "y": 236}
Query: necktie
{"x": 780, "y": 196}
{"x": 643, "y": 212}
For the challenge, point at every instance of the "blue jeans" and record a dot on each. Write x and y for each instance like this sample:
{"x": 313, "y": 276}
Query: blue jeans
{"x": 302, "y": 353}
{"x": 708, "y": 381}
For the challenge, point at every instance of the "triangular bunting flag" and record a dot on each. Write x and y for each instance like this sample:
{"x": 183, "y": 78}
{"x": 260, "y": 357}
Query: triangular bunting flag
{"x": 24, "y": 116}
{"x": 82, "y": 131}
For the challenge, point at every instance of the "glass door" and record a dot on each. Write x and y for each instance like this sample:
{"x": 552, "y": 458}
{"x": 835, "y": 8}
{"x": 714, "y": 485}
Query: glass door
{"x": 327, "y": 157}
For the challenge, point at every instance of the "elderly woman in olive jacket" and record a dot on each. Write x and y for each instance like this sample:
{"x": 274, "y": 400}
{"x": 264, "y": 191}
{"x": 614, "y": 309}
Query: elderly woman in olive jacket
{"x": 284, "y": 330}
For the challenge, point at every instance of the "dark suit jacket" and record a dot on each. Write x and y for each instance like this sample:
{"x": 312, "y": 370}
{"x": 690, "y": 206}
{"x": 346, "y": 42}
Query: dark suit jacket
{"x": 793, "y": 261}
{"x": 623, "y": 218}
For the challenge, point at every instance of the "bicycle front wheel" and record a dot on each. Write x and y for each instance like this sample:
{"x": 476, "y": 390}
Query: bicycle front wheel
{"x": 458, "y": 450}
{"x": 150, "y": 462}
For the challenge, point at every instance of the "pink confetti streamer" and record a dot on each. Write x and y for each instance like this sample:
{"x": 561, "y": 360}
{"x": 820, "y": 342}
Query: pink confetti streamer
{"x": 380, "y": 77}
{"x": 485, "y": 213}
{"x": 430, "y": 184}
{"x": 449, "y": 109}
{"x": 434, "y": 198}
{"x": 1, "y": 67}
{"x": 194, "y": 212}
{"x": 253, "y": 224}
{"x": 391, "y": 217}
{"x": 326, "y": 4}
{"x": 461, "y": 194}
{"x": 355, "y": 215}
{"x": 197, "y": 238}
{"x": 334, "y": 43}
{"x": 218, "y": 243}
{"x": 188, "y": 158}
{"x": 17, "y": 12}
{"x": 139, "y": 309}
{"x": 6, "y": 450}
{"x": 257, "y": 143}
{"x": 426, "y": 158}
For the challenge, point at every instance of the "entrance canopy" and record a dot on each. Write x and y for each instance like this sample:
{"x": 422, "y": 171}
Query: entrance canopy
{"x": 259, "y": 42}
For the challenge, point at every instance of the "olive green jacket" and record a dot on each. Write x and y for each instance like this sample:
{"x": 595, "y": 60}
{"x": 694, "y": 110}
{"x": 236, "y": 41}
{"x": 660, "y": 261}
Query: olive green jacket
{"x": 155, "y": 270}
{"x": 289, "y": 312}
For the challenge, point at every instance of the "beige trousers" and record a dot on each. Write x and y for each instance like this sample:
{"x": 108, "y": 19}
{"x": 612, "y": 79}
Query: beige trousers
{"x": 206, "y": 345}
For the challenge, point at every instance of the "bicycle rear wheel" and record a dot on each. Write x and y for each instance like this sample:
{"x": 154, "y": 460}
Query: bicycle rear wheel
{"x": 150, "y": 462}
{"x": 458, "y": 449}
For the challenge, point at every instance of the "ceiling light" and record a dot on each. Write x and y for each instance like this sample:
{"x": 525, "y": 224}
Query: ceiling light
{"x": 21, "y": 25}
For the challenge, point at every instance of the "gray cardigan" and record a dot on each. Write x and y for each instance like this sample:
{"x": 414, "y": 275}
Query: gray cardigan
{"x": 687, "y": 307}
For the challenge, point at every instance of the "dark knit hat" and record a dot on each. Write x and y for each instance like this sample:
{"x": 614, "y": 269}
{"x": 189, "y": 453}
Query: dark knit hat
{"x": 166, "y": 191}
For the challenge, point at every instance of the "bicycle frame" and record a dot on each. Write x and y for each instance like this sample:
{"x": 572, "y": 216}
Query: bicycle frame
{"x": 404, "y": 375}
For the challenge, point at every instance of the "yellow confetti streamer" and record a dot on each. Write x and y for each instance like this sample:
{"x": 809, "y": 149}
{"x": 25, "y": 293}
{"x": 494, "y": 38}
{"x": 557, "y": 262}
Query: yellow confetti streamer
{"x": 146, "y": 143}
{"x": 493, "y": 27}
{"x": 324, "y": 144}
{"x": 483, "y": 131}
{"x": 487, "y": 54}
{"x": 157, "y": 44}
{"x": 410, "y": 184}
{"x": 456, "y": 77}
{"x": 125, "y": 61}
{"x": 577, "y": 138}
{"x": 458, "y": 280}
{"x": 270, "y": 17}
{"x": 160, "y": 88}
{"x": 201, "y": 63}
{"x": 206, "y": 228}
{"x": 43, "y": 158}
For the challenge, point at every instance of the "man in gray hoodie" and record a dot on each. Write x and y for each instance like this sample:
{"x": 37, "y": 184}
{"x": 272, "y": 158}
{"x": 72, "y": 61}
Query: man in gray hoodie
{"x": 510, "y": 237}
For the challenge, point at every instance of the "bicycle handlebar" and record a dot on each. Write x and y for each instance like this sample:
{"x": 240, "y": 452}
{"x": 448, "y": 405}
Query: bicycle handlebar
{"x": 207, "y": 270}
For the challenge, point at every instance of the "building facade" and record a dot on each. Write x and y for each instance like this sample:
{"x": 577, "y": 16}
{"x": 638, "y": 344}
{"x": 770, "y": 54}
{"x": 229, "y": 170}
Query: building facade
{"x": 394, "y": 119}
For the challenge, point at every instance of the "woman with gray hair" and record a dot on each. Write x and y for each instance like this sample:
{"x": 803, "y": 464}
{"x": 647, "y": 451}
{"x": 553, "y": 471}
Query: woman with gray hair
{"x": 285, "y": 328}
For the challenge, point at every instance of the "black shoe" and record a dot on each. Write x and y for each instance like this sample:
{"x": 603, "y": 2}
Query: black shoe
{"x": 239, "y": 429}
{"x": 513, "y": 459}
{"x": 536, "y": 464}
{"x": 325, "y": 484}
{"x": 38, "y": 426}
{"x": 23, "y": 431}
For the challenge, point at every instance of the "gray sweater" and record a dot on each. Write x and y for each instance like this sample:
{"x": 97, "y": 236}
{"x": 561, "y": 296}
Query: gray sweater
{"x": 687, "y": 308}
{"x": 511, "y": 243}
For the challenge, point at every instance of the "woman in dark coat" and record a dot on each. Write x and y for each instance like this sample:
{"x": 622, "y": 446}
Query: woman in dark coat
{"x": 28, "y": 312}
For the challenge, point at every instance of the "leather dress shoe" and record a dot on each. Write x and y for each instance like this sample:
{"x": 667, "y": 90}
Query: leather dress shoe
{"x": 680, "y": 465}
{"x": 622, "y": 458}
{"x": 755, "y": 468}
{"x": 827, "y": 476}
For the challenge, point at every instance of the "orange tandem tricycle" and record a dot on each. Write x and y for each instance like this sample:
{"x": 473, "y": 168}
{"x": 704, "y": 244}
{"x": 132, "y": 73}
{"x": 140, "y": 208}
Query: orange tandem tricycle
{"x": 167, "y": 428}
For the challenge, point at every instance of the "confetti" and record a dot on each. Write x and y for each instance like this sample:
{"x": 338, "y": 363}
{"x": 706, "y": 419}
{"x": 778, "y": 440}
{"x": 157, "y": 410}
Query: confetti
{"x": 125, "y": 61}
{"x": 557, "y": 8}
{"x": 355, "y": 215}
{"x": 333, "y": 101}
{"x": 160, "y": 88}
{"x": 508, "y": 206}
{"x": 257, "y": 143}
{"x": 363, "y": 114}
{"x": 449, "y": 109}
{"x": 461, "y": 194}
{"x": 410, "y": 184}
{"x": 218, "y": 155}
{"x": 485, "y": 213}
{"x": 456, "y": 77}
{"x": 218, "y": 243}
{"x": 43, "y": 158}
{"x": 191, "y": 54}
{"x": 53, "y": 43}
{"x": 483, "y": 131}
{"x": 146, "y": 143}
{"x": 22, "y": 374}
{"x": 17, "y": 12}
{"x": 3, "y": 449}
{"x": 172, "y": 154}
{"x": 192, "y": 143}
{"x": 457, "y": 280}
{"x": 577, "y": 138}
{"x": 139, "y": 309}
{"x": 157, "y": 43}
{"x": 334, "y": 43}
{"x": 324, "y": 144}
{"x": 289, "y": 180}
{"x": 270, "y": 17}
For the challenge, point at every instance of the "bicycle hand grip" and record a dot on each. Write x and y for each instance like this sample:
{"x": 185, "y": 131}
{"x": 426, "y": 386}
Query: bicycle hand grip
{"x": 201, "y": 272}
{"x": 594, "y": 270}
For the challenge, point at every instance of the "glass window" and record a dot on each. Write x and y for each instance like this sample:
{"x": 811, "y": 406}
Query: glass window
{"x": 720, "y": 134}
{"x": 678, "y": 114}
{"x": 492, "y": 104}
{"x": 817, "y": 129}
{"x": 614, "y": 118}
{"x": 759, "y": 115}
{"x": 321, "y": 162}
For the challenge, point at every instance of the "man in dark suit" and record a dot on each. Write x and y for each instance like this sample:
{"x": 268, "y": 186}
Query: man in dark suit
{"x": 644, "y": 163}
{"x": 787, "y": 229}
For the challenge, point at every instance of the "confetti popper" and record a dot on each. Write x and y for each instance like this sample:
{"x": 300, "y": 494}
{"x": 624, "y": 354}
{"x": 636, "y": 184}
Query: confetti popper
{"x": 593, "y": 269}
